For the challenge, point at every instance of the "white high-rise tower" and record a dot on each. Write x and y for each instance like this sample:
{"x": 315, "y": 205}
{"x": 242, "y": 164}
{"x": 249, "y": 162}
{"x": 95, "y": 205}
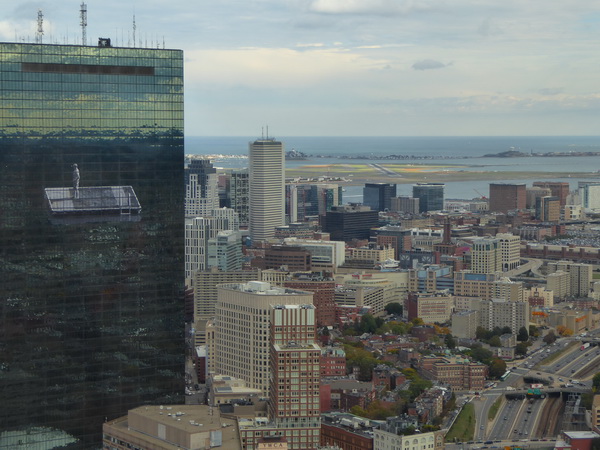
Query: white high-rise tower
{"x": 267, "y": 183}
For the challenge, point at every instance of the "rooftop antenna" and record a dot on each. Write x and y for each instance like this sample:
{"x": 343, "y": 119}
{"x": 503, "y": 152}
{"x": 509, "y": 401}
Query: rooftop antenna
{"x": 262, "y": 132}
{"x": 83, "y": 23}
{"x": 40, "y": 27}
{"x": 134, "y": 30}
{"x": 267, "y": 131}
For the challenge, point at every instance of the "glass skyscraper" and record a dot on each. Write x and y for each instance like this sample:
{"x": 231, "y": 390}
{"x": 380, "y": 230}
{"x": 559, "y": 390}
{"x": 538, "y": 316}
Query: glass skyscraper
{"x": 430, "y": 195}
{"x": 91, "y": 238}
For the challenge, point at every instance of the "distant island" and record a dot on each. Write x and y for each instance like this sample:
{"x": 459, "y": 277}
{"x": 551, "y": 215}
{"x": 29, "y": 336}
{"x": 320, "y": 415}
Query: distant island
{"x": 295, "y": 154}
{"x": 518, "y": 154}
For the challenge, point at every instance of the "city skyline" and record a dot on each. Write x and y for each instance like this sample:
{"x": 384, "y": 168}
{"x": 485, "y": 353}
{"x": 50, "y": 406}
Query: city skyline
{"x": 358, "y": 67}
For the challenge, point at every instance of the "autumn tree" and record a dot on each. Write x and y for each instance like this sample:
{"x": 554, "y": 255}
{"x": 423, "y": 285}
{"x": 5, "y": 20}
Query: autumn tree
{"x": 497, "y": 368}
{"x": 564, "y": 331}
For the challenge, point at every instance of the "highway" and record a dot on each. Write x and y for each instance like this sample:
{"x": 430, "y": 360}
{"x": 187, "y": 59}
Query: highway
{"x": 530, "y": 418}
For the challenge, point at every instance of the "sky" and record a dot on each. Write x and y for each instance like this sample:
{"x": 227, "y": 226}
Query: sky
{"x": 358, "y": 67}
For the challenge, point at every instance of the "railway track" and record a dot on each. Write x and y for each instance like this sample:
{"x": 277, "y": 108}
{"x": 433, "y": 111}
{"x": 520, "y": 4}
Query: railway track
{"x": 550, "y": 418}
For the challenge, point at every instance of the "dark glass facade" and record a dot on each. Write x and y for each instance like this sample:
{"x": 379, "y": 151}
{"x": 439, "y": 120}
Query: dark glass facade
{"x": 91, "y": 305}
{"x": 430, "y": 195}
{"x": 379, "y": 195}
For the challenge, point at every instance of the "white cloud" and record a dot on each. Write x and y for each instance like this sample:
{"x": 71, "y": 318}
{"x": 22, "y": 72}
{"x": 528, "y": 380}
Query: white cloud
{"x": 376, "y": 7}
{"x": 274, "y": 67}
{"x": 428, "y": 64}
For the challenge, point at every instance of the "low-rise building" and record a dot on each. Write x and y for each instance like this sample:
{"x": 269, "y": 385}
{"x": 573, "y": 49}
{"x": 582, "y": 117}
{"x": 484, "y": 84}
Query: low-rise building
{"x": 458, "y": 373}
{"x": 333, "y": 362}
{"x": 434, "y": 307}
{"x": 384, "y": 440}
{"x": 171, "y": 427}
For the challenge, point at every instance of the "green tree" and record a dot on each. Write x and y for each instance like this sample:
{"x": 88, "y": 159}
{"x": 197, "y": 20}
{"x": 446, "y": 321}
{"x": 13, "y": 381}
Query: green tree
{"x": 495, "y": 341}
{"x": 550, "y": 337}
{"x": 523, "y": 335}
{"x": 481, "y": 333}
{"x": 596, "y": 381}
{"x": 393, "y": 308}
{"x": 398, "y": 328}
{"x": 482, "y": 355}
{"x": 449, "y": 341}
{"x": 521, "y": 348}
{"x": 367, "y": 324}
{"x": 533, "y": 331}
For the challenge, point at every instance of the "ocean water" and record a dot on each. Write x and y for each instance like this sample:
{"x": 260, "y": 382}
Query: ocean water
{"x": 436, "y": 150}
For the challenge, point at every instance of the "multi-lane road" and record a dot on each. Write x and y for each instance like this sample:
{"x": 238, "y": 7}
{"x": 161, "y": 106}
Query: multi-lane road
{"x": 519, "y": 419}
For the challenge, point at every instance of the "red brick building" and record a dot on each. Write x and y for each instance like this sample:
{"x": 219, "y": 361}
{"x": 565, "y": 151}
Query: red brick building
{"x": 506, "y": 197}
{"x": 333, "y": 362}
{"x": 323, "y": 289}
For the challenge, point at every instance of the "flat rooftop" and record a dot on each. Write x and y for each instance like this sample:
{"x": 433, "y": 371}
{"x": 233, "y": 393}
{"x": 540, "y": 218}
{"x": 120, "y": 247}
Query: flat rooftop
{"x": 188, "y": 419}
{"x": 94, "y": 199}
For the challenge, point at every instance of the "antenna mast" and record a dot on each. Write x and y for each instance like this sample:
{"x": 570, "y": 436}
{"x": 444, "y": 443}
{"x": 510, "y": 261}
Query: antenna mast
{"x": 134, "y": 30}
{"x": 40, "y": 27}
{"x": 83, "y": 23}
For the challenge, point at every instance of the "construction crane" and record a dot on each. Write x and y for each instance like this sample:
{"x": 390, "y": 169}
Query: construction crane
{"x": 483, "y": 197}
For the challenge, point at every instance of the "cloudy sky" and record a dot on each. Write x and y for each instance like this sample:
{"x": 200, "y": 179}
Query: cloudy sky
{"x": 359, "y": 67}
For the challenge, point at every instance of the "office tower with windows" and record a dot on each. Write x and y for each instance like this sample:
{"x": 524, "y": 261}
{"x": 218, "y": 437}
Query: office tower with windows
{"x": 225, "y": 251}
{"x": 506, "y": 197}
{"x": 379, "y": 195}
{"x": 199, "y": 230}
{"x": 430, "y": 195}
{"x": 239, "y": 194}
{"x": 91, "y": 242}
{"x": 558, "y": 189}
{"x": 243, "y": 320}
{"x": 295, "y": 357}
{"x": 267, "y": 196}
{"x": 201, "y": 188}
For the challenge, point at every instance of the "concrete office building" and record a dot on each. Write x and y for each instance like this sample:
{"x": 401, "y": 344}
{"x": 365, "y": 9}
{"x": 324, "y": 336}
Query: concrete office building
{"x": 547, "y": 209}
{"x": 379, "y": 195}
{"x": 506, "y": 197}
{"x": 388, "y": 440}
{"x": 238, "y": 189}
{"x": 408, "y": 205}
{"x": 243, "y": 321}
{"x": 590, "y": 196}
{"x": 502, "y": 313}
{"x": 225, "y": 251}
{"x": 266, "y": 191}
{"x": 485, "y": 257}
{"x": 324, "y": 254}
{"x": 464, "y": 324}
{"x": 470, "y": 284}
{"x": 533, "y": 193}
{"x": 91, "y": 241}
{"x": 432, "y": 307}
{"x": 580, "y": 276}
{"x": 430, "y": 195}
{"x": 539, "y": 297}
{"x": 198, "y": 232}
{"x": 559, "y": 282}
{"x": 511, "y": 291}
{"x": 559, "y": 189}
{"x": 509, "y": 246}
